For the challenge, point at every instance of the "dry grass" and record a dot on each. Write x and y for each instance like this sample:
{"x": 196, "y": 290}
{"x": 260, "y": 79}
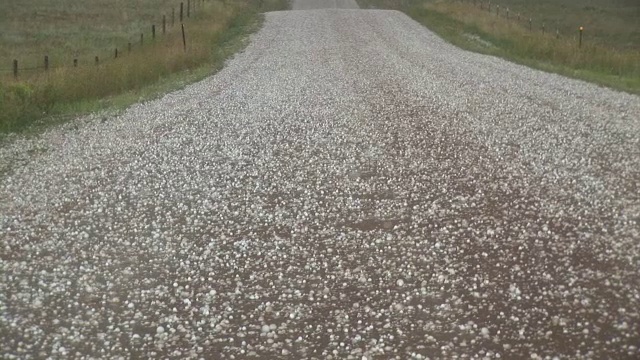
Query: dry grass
{"x": 65, "y": 29}
{"x": 532, "y": 43}
{"x": 465, "y": 24}
{"x": 38, "y": 93}
{"x": 613, "y": 23}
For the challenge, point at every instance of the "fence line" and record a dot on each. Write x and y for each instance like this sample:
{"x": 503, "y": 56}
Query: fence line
{"x": 116, "y": 52}
{"x": 486, "y": 5}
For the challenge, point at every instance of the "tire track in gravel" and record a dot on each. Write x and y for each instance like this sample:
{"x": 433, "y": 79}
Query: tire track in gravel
{"x": 461, "y": 141}
{"x": 357, "y": 188}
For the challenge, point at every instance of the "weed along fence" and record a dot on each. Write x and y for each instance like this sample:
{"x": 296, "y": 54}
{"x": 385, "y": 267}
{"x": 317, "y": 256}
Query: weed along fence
{"x": 175, "y": 20}
{"x": 524, "y": 20}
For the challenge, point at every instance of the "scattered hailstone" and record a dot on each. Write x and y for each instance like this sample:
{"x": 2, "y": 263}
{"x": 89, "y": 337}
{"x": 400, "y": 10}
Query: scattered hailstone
{"x": 514, "y": 290}
{"x": 189, "y": 170}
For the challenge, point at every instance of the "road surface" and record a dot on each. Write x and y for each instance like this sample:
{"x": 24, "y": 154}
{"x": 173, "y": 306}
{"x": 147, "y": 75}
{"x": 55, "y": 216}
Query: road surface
{"x": 348, "y": 187}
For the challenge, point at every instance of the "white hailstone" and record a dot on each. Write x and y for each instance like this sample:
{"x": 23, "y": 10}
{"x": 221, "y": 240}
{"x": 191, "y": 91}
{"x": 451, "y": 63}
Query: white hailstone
{"x": 400, "y": 283}
{"x": 160, "y": 330}
{"x": 265, "y": 329}
{"x": 623, "y": 326}
{"x": 484, "y": 332}
{"x": 130, "y": 306}
{"x": 514, "y": 290}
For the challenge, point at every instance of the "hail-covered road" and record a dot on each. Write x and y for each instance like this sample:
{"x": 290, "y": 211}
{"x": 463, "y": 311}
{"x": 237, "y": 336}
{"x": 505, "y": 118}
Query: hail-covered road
{"x": 348, "y": 187}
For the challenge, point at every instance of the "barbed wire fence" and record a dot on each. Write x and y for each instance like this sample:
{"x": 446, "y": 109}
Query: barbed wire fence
{"x": 179, "y": 13}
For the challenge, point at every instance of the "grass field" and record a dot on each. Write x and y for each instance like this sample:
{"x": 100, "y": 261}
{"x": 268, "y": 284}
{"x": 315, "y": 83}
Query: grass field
{"x": 615, "y": 23}
{"x": 66, "y": 30}
{"x": 30, "y": 29}
{"x": 610, "y": 54}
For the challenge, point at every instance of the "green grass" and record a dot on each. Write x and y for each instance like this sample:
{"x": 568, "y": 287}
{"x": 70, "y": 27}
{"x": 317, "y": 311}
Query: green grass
{"x": 600, "y": 60}
{"x": 215, "y": 30}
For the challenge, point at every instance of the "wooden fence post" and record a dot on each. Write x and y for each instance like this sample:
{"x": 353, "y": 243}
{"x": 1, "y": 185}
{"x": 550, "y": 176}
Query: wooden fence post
{"x": 116, "y": 54}
{"x": 530, "y": 25}
{"x": 580, "y": 41}
{"x": 15, "y": 69}
{"x": 129, "y": 47}
{"x": 97, "y": 61}
{"x": 75, "y": 63}
{"x": 153, "y": 32}
{"x": 181, "y": 11}
{"x": 141, "y": 39}
{"x": 46, "y": 63}
{"x": 184, "y": 39}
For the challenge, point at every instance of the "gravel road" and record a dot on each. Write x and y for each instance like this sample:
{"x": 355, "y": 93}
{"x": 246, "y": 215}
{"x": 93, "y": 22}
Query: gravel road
{"x": 348, "y": 187}
{"x": 323, "y": 4}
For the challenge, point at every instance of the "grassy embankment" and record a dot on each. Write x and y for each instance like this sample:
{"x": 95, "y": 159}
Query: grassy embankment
{"x": 67, "y": 30}
{"x": 610, "y": 53}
